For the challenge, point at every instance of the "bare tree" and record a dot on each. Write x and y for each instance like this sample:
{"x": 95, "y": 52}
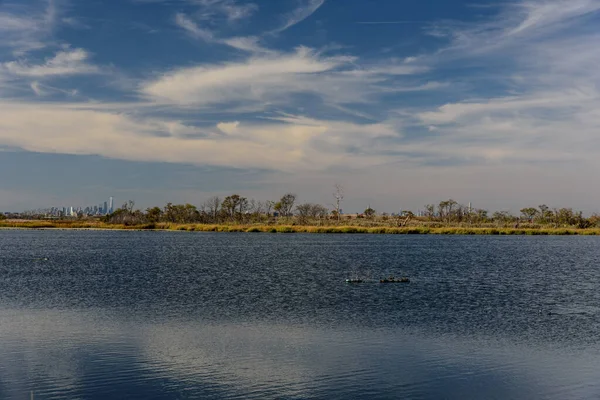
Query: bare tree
{"x": 256, "y": 209}
{"x": 252, "y": 206}
{"x": 338, "y": 196}
{"x": 269, "y": 207}
{"x": 446, "y": 209}
{"x": 430, "y": 211}
{"x": 310, "y": 210}
{"x": 212, "y": 207}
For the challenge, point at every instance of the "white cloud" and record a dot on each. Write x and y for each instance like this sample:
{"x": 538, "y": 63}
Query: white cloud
{"x": 208, "y": 10}
{"x": 540, "y": 15}
{"x": 14, "y": 23}
{"x": 288, "y": 143}
{"x": 232, "y": 10}
{"x": 75, "y": 23}
{"x": 389, "y": 69}
{"x": 35, "y": 86}
{"x": 192, "y": 28}
{"x": 519, "y": 24}
{"x": 257, "y": 78}
{"x": 549, "y": 111}
{"x": 236, "y": 12}
{"x": 24, "y": 28}
{"x": 302, "y": 12}
{"x": 228, "y": 127}
{"x": 250, "y": 44}
{"x": 68, "y": 62}
{"x": 454, "y": 112}
{"x": 274, "y": 78}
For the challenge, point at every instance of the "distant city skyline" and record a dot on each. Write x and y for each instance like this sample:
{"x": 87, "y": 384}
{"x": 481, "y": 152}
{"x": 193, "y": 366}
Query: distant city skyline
{"x": 403, "y": 103}
{"x": 102, "y": 208}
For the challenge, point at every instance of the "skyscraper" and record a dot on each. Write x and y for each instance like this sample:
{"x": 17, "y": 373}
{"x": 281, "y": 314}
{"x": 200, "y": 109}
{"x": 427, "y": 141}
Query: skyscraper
{"x": 110, "y": 205}
{"x": 105, "y": 209}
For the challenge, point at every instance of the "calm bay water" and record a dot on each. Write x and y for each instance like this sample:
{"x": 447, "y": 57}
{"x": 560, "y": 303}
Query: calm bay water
{"x": 170, "y": 315}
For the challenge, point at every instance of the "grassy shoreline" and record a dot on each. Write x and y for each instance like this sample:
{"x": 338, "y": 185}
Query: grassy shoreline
{"x": 263, "y": 228}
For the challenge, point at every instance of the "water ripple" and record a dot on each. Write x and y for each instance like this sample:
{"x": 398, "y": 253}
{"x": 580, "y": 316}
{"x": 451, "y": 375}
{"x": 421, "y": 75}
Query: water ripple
{"x": 150, "y": 315}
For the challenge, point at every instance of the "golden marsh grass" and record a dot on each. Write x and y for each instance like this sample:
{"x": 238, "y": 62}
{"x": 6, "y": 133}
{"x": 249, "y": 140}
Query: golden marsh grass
{"x": 265, "y": 228}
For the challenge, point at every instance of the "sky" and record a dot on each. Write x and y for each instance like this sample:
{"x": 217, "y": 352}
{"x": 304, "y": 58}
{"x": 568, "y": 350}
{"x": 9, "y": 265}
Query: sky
{"x": 402, "y": 103}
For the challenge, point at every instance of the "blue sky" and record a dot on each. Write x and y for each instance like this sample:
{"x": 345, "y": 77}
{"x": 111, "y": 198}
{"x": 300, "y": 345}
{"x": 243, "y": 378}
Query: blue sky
{"x": 403, "y": 103}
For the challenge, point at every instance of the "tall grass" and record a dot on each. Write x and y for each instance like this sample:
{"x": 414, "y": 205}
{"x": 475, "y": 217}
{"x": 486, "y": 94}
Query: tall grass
{"x": 333, "y": 229}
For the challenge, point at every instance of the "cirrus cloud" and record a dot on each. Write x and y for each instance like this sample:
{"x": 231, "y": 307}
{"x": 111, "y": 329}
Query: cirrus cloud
{"x": 68, "y": 62}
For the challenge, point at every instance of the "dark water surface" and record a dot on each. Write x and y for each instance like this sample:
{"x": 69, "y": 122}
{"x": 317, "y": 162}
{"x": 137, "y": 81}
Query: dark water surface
{"x": 169, "y": 315}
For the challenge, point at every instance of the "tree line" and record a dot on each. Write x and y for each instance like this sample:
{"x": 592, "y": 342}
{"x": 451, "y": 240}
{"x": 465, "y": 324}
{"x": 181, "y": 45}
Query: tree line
{"x": 450, "y": 211}
{"x": 236, "y": 209}
{"x": 231, "y": 209}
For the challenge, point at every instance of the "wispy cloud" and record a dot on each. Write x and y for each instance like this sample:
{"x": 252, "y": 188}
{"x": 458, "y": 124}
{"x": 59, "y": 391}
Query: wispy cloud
{"x": 27, "y": 27}
{"x": 68, "y": 62}
{"x": 235, "y": 12}
{"x": 250, "y": 44}
{"x": 193, "y": 29}
{"x": 389, "y": 22}
{"x": 543, "y": 15}
{"x": 289, "y": 143}
{"x": 549, "y": 78}
{"x": 258, "y": 77}
{"x": 299, "y": 14}
{"x": 276, "y": 78}
{"x": 388, "y": 68}
{"x": 13, "y": 23}
{"x": 41, "y": 89}
{"x": 36, "y": 87}
{"x": 231, "y": 10}
{"x": 516, "y": 25}
{"x": 74, "y": 23}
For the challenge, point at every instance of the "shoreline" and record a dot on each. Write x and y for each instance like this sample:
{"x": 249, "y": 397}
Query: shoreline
{"x": 337, "y": 229}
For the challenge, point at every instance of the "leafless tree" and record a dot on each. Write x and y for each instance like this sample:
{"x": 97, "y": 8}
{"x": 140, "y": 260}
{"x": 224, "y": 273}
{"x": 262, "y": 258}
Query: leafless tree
{"x": 310, "y": 210}
{"x": 269, "y": 207}
{"x": 212, "y": 207}
{"x": 254, "y": 210}
{"x": 338, "y": 196}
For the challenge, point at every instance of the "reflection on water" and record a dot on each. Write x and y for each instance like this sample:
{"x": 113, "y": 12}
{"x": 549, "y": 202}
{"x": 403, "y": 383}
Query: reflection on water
{"x": 61, "y": 354}
{"x": 153, "y": 316}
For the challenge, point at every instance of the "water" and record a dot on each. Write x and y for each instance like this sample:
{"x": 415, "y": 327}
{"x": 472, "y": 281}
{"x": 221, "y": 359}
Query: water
{"x": 175, "y": 315}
